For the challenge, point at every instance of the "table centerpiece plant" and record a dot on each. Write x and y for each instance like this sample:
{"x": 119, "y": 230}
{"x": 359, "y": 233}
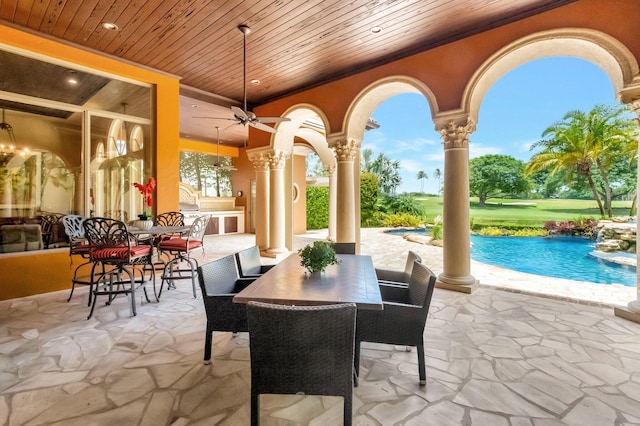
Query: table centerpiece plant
{"x": 146, "y": 190}
{"x": 317, "y": 256}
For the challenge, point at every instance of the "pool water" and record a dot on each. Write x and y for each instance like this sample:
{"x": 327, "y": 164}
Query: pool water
{"x": 557, "y": 256}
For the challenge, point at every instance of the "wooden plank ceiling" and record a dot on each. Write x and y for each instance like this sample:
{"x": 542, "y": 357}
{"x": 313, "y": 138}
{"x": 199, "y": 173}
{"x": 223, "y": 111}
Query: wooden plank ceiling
{"x": 293, "y": 44}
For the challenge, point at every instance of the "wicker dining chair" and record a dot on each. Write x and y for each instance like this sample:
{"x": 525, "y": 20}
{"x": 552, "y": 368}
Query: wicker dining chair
{"x": 403, "y": 318}
{"x": 249, "y": 264}
{"x": 345, "y": 248}
{"x": 390, "y": 276}
{"x": 219, "y": 282}
{"x": 301, "y": 349}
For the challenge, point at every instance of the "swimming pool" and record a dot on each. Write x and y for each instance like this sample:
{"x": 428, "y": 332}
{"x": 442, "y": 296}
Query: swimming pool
{"x": 557, "y": 256}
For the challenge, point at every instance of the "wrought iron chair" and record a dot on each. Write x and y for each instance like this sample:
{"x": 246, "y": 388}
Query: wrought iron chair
{"x": 79, "y": 247}
{"x": 169, "y": 219}
{"x": 403, "y": 318}
{"x": 219, "y": 282}
{"x": 181, "y": 249}
{"x": 249, "y": 264}
{"x": 345, "y": 248}
{"x": 301, "y": 349}
{"x": 110, "y": 244}
{"x": 390, "y": 276}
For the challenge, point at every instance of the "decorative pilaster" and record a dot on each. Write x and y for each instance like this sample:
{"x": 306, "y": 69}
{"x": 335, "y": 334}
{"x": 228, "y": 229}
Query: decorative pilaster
{"x": 277, "y": 222}
{"x": 260, "y": 163}
{"x": 632, "y": 310}
{"x": 333, "y": 211}
{"x": 346, "y": 150}
{"x": 456, "y": 274}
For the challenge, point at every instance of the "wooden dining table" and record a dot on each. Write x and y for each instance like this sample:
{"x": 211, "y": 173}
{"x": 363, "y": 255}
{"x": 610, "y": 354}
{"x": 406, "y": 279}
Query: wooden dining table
{"x": 353, "y": 280}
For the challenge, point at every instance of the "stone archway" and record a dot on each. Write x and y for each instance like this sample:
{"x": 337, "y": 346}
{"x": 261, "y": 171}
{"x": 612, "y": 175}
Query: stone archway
{"x": 274, "y": 179}
{"x": 614, "y": 58}
{"x": 347, "y": 146}
{"x": 593, "y": 46}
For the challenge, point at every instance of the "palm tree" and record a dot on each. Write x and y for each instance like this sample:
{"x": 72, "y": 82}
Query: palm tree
{"x": 421, "y": 177}
{"x": 437, "y": 174}
{"x": 385, "y": 169}
{"x": 586, "y": 144}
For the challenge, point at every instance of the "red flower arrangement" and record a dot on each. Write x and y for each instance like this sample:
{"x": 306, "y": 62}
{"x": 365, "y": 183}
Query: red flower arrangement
{"x": 146, "y": 190}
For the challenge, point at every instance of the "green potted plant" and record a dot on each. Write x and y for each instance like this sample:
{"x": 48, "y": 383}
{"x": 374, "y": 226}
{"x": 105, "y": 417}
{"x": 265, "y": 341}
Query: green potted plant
{"x": 317, "y": 256}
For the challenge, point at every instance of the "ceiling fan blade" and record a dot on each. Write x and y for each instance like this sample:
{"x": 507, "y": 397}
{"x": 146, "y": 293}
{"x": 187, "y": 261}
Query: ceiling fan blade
{"x": 218, "y": 118}
{"x": 258, "y": 125}
{"x": 241, "y": 114}
{"x": 273, "y": 119}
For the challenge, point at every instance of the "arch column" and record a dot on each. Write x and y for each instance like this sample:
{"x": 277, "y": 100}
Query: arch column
{"x": 632, "y": 310}
{"x": 333, "y": 211}
{"x": 260, "y": 161}
{"x": 277, "y": 222}
{"x": 345, "y": 151}
{"x": 456, "y": 274}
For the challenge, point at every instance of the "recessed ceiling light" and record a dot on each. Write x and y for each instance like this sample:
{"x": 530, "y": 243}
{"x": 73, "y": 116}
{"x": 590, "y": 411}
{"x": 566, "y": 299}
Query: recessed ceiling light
{"x": 72, "y": 80}
{"x": 376, "y": 30}
{"x": 110, "y": 26}
{"x": 194, "y": 106}
{"x": 255, "y": 81}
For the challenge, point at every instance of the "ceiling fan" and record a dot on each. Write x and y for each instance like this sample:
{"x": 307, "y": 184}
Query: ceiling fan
{"x": 218, "y": 165}
{"x": 244, "y": 116}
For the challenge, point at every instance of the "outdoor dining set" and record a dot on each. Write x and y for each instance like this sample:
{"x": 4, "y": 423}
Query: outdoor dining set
{"x": 123, "y": 258}
{"x": 305, "y": 330}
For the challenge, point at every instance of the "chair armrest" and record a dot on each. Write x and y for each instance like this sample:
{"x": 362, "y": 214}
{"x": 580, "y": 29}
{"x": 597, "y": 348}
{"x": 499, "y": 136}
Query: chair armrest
{"x": 391, "y": 275}
{"x": 265, "y": 268}
{"x": 394, "y": 292}
{"x": 244, "y": 282}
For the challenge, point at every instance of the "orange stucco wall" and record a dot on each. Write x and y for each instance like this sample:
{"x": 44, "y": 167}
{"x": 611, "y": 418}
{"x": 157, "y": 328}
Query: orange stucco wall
{"x": 447, "y": 69}
{"x": 43, "y": 271}
{"x": 208, "y": 148}
{"x": 241, "y": 181}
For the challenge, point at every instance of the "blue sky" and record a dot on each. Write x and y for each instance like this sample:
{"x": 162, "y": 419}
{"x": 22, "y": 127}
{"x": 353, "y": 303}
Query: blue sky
{"x": 513, "y": 115}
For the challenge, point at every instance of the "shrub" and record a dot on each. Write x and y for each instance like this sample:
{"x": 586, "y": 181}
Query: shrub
{"x": 403, "y": 203}
{"x": 369, "y": 189}
{"x": 317, "y": 207}
{"x": 376, "y": 220}
{"x": 494, "y": 231}
{"x": 398, "y": 220}
{"x": 491, "y": 231}
{"x": 530, "y": 232}
{"x": 436, "y": 230}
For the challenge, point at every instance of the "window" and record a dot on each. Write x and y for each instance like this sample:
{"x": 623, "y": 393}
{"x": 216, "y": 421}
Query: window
{"x": 68, "y": 148}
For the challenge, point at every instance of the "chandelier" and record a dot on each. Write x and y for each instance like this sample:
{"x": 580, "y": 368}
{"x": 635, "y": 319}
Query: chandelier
{"x": 8, "y": 151}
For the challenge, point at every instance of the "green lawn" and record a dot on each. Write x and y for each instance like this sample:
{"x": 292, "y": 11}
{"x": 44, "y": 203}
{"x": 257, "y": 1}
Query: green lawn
{"x": 529, "y": 212}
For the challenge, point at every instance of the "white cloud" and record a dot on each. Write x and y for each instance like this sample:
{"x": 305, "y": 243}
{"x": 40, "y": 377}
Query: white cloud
{"x": 411, "y": 165}
{"x": 476, "y": 150}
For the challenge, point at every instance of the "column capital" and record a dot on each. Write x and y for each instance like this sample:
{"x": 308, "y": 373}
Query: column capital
{"x": 455, "y": 134}
{"x": 635, "y": 107}
{"x": 277, "y": 159}
{"x": 345, "y": 149}
{"x": 260, "y": 161}
{"x": 331, "y": 169}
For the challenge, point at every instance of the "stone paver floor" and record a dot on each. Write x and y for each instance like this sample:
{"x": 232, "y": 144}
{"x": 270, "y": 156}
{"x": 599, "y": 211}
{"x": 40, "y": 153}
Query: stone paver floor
{"x": 493, "y": 358}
